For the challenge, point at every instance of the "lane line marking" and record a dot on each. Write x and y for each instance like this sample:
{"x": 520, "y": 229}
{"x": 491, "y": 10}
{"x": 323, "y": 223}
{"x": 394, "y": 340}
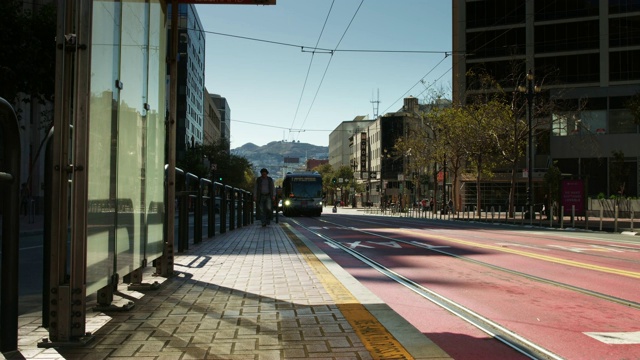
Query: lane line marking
{"x": 552, "y": 259}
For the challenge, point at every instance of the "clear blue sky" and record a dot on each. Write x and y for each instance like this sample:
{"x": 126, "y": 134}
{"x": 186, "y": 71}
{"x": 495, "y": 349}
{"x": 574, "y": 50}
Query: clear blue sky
{"x": 275, "y": 89}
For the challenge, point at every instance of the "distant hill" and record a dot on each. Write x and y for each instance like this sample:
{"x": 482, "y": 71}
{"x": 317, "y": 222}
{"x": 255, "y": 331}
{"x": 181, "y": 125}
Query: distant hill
{"x": 272, "y": 155}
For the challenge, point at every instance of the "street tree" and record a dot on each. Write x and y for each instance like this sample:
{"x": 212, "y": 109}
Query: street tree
{"x": 512, "y": 131}
{"x": 345, "y": 173}
{"x": 481, "y": 125}
{"x": 326, "y": 171}
{"x": 230, "y": 169}
{"x": 451, "y": 142}
{"x": 633, "y": 104}
{"x": 424, "y": 144}
{"x": 552, "y": 182}
{"x": 417, "y": 148}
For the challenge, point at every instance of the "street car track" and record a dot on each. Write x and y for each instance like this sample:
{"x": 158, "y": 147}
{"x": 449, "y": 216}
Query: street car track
{"x": 496, "y": 331}
{"x": 439, "y": 250}
{"x": 554, "y": 235}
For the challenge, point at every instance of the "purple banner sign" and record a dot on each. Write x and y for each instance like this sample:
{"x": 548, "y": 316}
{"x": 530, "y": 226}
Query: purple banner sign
{"x": 573, "y": 195}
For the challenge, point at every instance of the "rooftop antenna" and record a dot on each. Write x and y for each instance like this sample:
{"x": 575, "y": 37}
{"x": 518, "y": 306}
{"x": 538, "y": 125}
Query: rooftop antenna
{"x": 376, "y": 104}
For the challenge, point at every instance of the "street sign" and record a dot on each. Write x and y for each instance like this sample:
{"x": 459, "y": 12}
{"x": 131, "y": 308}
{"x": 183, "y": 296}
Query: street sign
{"x": 229, "y": 2}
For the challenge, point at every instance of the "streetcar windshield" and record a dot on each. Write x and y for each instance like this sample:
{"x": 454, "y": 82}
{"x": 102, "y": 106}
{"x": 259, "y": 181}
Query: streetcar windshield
{"x": 306, "y": 187}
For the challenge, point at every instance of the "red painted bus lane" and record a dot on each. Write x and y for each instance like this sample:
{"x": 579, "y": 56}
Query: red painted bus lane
{"x": 554, "y": 317}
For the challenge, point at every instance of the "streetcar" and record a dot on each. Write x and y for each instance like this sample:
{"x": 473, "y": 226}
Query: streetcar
{"x": 302, "y": 194}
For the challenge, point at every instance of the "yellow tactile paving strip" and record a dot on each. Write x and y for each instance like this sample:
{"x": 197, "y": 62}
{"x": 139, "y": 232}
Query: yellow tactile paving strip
{"x": 380, "y": 343}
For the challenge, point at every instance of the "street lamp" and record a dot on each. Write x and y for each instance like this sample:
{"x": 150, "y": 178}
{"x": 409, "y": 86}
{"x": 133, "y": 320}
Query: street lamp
{"x": 530, "y": 91}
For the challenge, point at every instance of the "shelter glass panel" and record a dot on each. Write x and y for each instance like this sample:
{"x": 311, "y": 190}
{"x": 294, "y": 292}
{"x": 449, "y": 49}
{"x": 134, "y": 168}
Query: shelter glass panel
{"x": 132, "y": 136}
{"x": 154, "y": 172}
{"x": 104, "y": 97}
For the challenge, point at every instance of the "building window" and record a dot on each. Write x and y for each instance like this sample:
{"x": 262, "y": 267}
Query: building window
{"x": 624, "y": 65}
{"x": 555, "y": 10}
{"x": 572, "y": 69}
{"x": 621, "y": 122}
{"x": 623, "y": 6}
{"x": 501, "y": 71}
{"x": 624, "y": 31}
{"x": 564, "y": 124}
{"x": 583, "y": 35}
{"x": 494, "y": 13}
{"x": 496, "y": 43}
{"x": 593, "y": 122}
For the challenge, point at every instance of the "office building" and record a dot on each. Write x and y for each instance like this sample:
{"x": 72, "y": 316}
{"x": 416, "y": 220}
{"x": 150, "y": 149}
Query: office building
{"x": 225, "y": 117}
{"x": 191, "y": 57}
{"x": 585, "y": 56}
{"x": 212, "y": 121}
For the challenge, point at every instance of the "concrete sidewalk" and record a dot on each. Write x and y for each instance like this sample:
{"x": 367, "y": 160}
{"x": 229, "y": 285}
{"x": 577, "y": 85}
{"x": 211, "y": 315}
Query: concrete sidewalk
{"x": 251, "y": 293}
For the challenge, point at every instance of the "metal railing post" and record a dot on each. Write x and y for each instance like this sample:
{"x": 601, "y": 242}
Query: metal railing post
{"x": 10, "y": 209}
{"x": 223, "y": 208}
{"x": 231, "y": 197}
{"x": 210, "y": 199}
{"x": 239, "y": 206}
{"x": 193, "y": 180}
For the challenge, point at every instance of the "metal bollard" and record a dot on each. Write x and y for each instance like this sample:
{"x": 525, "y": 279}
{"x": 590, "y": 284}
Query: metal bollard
{"x": 601, "y": 213}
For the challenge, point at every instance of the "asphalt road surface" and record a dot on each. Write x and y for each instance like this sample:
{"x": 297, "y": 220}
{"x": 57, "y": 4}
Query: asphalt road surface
{"x": 484, "y": 291}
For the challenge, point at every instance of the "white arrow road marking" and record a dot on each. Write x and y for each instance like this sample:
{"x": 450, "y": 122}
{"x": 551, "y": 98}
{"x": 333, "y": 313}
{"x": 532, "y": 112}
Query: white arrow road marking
{"x": 392, "y": 244}
{"x": 507, "y": 244}
{"x": 582, "y": 249}
{"x": 427, "y": 246}
{"x": 356, "y": 244}
{"x": 618, "y": 338}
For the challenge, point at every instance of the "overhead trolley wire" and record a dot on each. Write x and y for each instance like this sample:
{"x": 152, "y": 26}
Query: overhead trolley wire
{"x": 315, "y": 49}
{"x": 295, "y": 116}
{"x": 418, "y": 82}
{"x": 329, "y": 63}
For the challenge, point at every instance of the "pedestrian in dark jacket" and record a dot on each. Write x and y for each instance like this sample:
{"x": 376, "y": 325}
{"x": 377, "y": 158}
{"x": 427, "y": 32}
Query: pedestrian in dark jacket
{"x": 264, "y": 195}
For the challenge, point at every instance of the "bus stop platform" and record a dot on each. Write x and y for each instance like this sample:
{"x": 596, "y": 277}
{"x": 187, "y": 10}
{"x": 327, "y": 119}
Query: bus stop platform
{"x": 251, "y": 293}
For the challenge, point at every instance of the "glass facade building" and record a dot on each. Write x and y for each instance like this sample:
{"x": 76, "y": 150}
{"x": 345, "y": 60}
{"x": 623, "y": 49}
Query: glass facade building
{"x": 191, "y": 57}
{"x": 586, "y": 54}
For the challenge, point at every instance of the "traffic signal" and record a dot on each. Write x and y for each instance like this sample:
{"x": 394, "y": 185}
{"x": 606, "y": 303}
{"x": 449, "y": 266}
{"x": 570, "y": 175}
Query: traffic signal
{"x": 333, "y": 181}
